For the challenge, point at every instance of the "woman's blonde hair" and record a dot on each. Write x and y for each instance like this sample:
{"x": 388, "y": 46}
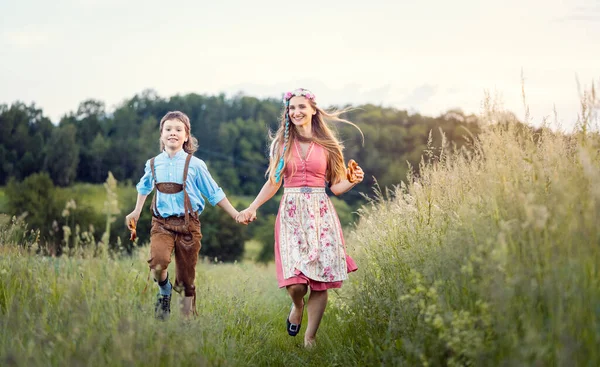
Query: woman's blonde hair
{"x": 322, "y": 135}
{"x": 191, "y": 145}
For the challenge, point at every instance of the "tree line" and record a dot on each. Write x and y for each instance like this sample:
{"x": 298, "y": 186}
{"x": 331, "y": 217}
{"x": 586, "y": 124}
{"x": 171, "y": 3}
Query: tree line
{"x": 232, "y": 133}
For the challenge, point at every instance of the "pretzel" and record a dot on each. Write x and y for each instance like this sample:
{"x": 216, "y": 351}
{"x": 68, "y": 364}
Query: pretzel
{"x": 132, "y": 229}
{"x": 350, "y": 174}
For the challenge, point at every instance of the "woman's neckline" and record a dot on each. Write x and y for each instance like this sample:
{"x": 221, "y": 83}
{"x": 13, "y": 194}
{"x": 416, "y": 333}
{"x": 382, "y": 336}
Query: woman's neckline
{"x": 308, "y": 151}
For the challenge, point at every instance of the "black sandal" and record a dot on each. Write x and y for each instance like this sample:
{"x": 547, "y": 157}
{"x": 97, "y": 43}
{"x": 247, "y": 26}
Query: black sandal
{"x": 294, "y": 329}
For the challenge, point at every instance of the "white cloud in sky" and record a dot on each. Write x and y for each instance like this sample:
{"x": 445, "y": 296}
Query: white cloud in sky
{"x": 27, "y": 38}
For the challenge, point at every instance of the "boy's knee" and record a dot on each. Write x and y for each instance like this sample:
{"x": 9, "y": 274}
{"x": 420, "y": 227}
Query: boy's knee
{"x": 158, "y": 263}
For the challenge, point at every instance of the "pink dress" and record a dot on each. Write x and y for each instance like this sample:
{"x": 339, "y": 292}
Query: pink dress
{"x": 309, "y": 244}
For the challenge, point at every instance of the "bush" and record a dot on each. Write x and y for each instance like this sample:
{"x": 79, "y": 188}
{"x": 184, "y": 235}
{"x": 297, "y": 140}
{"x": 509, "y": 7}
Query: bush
{"x": 222, "y": 237}
{"x": 34, "y": 199}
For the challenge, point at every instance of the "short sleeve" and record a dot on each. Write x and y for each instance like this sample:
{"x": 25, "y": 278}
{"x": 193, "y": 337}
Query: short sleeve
{"x": 207, "y": 185}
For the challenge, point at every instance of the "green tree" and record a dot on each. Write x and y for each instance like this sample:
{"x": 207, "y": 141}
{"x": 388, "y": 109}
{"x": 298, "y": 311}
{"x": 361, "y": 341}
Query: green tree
{"x": 89, "y": 121}
{"x": 222, "y": 237}
{"x": 35, "y": 198}
{"x": 24, "y": 131}
{"x": 95, "y": 158}
{"x": 62, "y": 155}
{"x": 242, "y": 155}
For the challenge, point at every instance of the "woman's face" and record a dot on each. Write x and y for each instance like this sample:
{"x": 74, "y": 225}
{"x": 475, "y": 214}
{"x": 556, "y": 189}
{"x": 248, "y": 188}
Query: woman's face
{"x": 301, "y": 111}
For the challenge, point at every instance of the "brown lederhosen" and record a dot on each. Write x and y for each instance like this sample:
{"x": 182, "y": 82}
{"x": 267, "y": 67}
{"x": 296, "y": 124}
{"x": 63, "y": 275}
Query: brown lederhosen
{"x": 181, "y": 233}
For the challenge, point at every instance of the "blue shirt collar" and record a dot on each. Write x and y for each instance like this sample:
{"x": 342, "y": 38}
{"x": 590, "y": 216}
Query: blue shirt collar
{"x": 178, "y": 155}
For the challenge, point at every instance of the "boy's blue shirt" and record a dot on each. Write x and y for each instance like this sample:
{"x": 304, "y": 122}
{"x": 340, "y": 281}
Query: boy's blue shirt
{"x": 199, "y": 183}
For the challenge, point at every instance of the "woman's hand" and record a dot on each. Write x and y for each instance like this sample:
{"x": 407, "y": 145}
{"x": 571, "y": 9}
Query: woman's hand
{"x": 246, "y": 216}
{"x": 359, "y": 174}
{"x": 354, "y": 177}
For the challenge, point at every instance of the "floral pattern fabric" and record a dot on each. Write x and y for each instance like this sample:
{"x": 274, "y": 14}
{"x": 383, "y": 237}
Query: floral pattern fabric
{"x": 310, "y": 237}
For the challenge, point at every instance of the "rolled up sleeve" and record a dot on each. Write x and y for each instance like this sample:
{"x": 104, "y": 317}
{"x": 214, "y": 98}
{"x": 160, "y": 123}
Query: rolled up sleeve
{"x": 146, "y": 184}
{"x": 207, "y": 185}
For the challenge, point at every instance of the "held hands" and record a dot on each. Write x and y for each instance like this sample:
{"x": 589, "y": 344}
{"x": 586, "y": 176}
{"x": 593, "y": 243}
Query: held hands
{"x": 246, "y": 216}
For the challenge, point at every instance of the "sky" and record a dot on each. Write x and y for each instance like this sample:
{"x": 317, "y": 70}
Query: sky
{"x": 423, "y": 56}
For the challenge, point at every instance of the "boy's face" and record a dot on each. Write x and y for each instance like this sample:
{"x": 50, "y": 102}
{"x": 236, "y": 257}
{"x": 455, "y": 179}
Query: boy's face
{"x": 173, "y": 135}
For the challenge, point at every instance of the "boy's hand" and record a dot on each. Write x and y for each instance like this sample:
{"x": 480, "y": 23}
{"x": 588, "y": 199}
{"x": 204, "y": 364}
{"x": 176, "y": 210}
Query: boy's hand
{"x": 132, "y": 229}
{"x": 131, "y": 219}
{"x": 131, "y": 222}
{"x": 239, "y": 218}
{"x": 246, "y": 216}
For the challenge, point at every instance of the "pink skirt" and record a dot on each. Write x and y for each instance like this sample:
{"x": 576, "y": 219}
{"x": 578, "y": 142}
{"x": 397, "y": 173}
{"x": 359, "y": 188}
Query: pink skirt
{"x": 313, "y": 244}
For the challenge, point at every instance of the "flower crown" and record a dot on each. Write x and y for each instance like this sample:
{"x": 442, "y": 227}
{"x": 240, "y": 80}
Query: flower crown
{"x": 297, "y": 93}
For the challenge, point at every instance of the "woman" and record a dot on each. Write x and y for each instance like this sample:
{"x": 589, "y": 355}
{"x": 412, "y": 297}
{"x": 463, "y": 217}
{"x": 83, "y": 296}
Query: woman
{"x": 309, "y": 244}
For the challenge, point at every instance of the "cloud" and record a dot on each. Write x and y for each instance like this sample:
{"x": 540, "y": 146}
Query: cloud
{"x": 452, "y": 90}
{"x": 419, "y": 95}
{"x": 25, "y": 38}
{"x": 588, "y": 13}
{"x": 352, "y": 93}
{"x": 379, "y": 94}
{"x": 579, "y": 17}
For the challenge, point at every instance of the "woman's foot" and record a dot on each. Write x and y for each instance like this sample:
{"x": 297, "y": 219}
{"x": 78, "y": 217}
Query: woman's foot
{"x": 294, "y": 320}
{"x": 309, "y": 343}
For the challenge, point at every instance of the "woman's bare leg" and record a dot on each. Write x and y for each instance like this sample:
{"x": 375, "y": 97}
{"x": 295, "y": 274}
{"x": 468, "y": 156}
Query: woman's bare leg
{"x": 297, "y": 293}
{"x": 317, "y": 301}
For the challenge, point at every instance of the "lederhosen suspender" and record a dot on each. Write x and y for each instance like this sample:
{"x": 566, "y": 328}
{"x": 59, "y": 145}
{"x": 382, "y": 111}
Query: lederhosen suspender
{"x": 174, "y": 188}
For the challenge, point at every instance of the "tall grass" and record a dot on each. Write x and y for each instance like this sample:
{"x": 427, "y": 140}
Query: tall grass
{"x": 490, "y": 257}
